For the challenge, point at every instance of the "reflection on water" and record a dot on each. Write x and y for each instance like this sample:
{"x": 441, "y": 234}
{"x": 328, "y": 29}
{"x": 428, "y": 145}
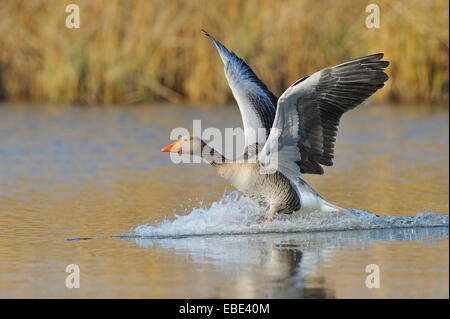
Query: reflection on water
{"x": 277, "y": 265}
{"x": 80, "y": 173}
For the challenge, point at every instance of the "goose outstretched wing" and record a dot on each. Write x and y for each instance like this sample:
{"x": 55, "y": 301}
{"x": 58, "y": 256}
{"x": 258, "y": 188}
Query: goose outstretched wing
{"x": 308, "y": 113}
{"x": 256, "y": 103}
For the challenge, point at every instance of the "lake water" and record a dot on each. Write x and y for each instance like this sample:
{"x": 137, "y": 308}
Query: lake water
{"x": 89, "y": 186}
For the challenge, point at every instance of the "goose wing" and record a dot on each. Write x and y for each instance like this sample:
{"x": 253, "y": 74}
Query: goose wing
{"x": 256, "y": 103}
{"x": 308, "y": 113}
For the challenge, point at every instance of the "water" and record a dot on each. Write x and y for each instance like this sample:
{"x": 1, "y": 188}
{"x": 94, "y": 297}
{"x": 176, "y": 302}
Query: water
{"x": 234, "y": 215}
{"x": 89, "y": 186}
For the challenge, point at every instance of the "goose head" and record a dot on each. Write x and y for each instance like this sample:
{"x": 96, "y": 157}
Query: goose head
{"x": 186, "y": 145}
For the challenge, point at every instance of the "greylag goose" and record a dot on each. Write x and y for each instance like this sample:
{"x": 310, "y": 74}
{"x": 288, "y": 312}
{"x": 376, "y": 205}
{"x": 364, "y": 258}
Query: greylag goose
{"x": 301, "y": 129}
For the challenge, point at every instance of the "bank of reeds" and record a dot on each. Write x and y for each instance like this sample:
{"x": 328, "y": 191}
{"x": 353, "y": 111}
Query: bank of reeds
{"x": 137, "y": 51}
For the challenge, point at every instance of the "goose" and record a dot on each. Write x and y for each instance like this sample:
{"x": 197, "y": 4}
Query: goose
{"x": 301, "y": 128}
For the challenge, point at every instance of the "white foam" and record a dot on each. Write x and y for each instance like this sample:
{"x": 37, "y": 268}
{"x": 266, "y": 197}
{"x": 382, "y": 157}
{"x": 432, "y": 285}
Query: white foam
{"x": 234, "y": 214}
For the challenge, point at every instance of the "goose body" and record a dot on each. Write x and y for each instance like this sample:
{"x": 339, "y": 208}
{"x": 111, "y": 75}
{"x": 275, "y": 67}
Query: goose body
{"x": 299, "y": 130}
{"x": 273, "y": 190}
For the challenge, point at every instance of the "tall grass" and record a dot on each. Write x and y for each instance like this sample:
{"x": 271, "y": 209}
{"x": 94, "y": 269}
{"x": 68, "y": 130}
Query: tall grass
{"x": 134, "y": 51}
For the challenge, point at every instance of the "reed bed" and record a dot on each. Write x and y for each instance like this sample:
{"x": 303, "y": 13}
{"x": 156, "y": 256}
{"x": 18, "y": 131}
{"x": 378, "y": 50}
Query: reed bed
{"x": 139, "y": 51}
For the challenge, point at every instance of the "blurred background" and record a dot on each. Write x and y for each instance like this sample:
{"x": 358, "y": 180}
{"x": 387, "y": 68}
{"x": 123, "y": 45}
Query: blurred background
{"x": 146, "y": 51}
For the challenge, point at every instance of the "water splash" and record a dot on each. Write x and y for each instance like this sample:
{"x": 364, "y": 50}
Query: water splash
{"x": 234, "y": 214}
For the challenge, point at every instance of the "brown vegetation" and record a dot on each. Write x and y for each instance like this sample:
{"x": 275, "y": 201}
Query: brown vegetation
{"x": 134, "y": 51}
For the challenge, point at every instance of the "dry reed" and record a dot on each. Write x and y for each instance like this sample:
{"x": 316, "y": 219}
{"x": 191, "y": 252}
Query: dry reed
{"x": 134, "y": 51}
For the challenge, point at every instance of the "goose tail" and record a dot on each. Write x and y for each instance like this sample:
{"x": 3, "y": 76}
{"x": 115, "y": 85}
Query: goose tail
{"x": 328, "y": 207}
{"x": 311, "y": 200}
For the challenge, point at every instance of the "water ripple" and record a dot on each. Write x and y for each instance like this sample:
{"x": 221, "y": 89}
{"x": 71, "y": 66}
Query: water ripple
{"x": 234, "y": 214}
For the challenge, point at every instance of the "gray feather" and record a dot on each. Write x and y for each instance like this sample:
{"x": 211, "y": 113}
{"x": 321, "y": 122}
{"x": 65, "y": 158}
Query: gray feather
{"x": 318, "y": 102}
{"x": 256, "y": 103}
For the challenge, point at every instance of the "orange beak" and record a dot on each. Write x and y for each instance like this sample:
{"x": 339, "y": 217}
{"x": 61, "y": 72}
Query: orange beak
{"x": 174, "y": 147}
